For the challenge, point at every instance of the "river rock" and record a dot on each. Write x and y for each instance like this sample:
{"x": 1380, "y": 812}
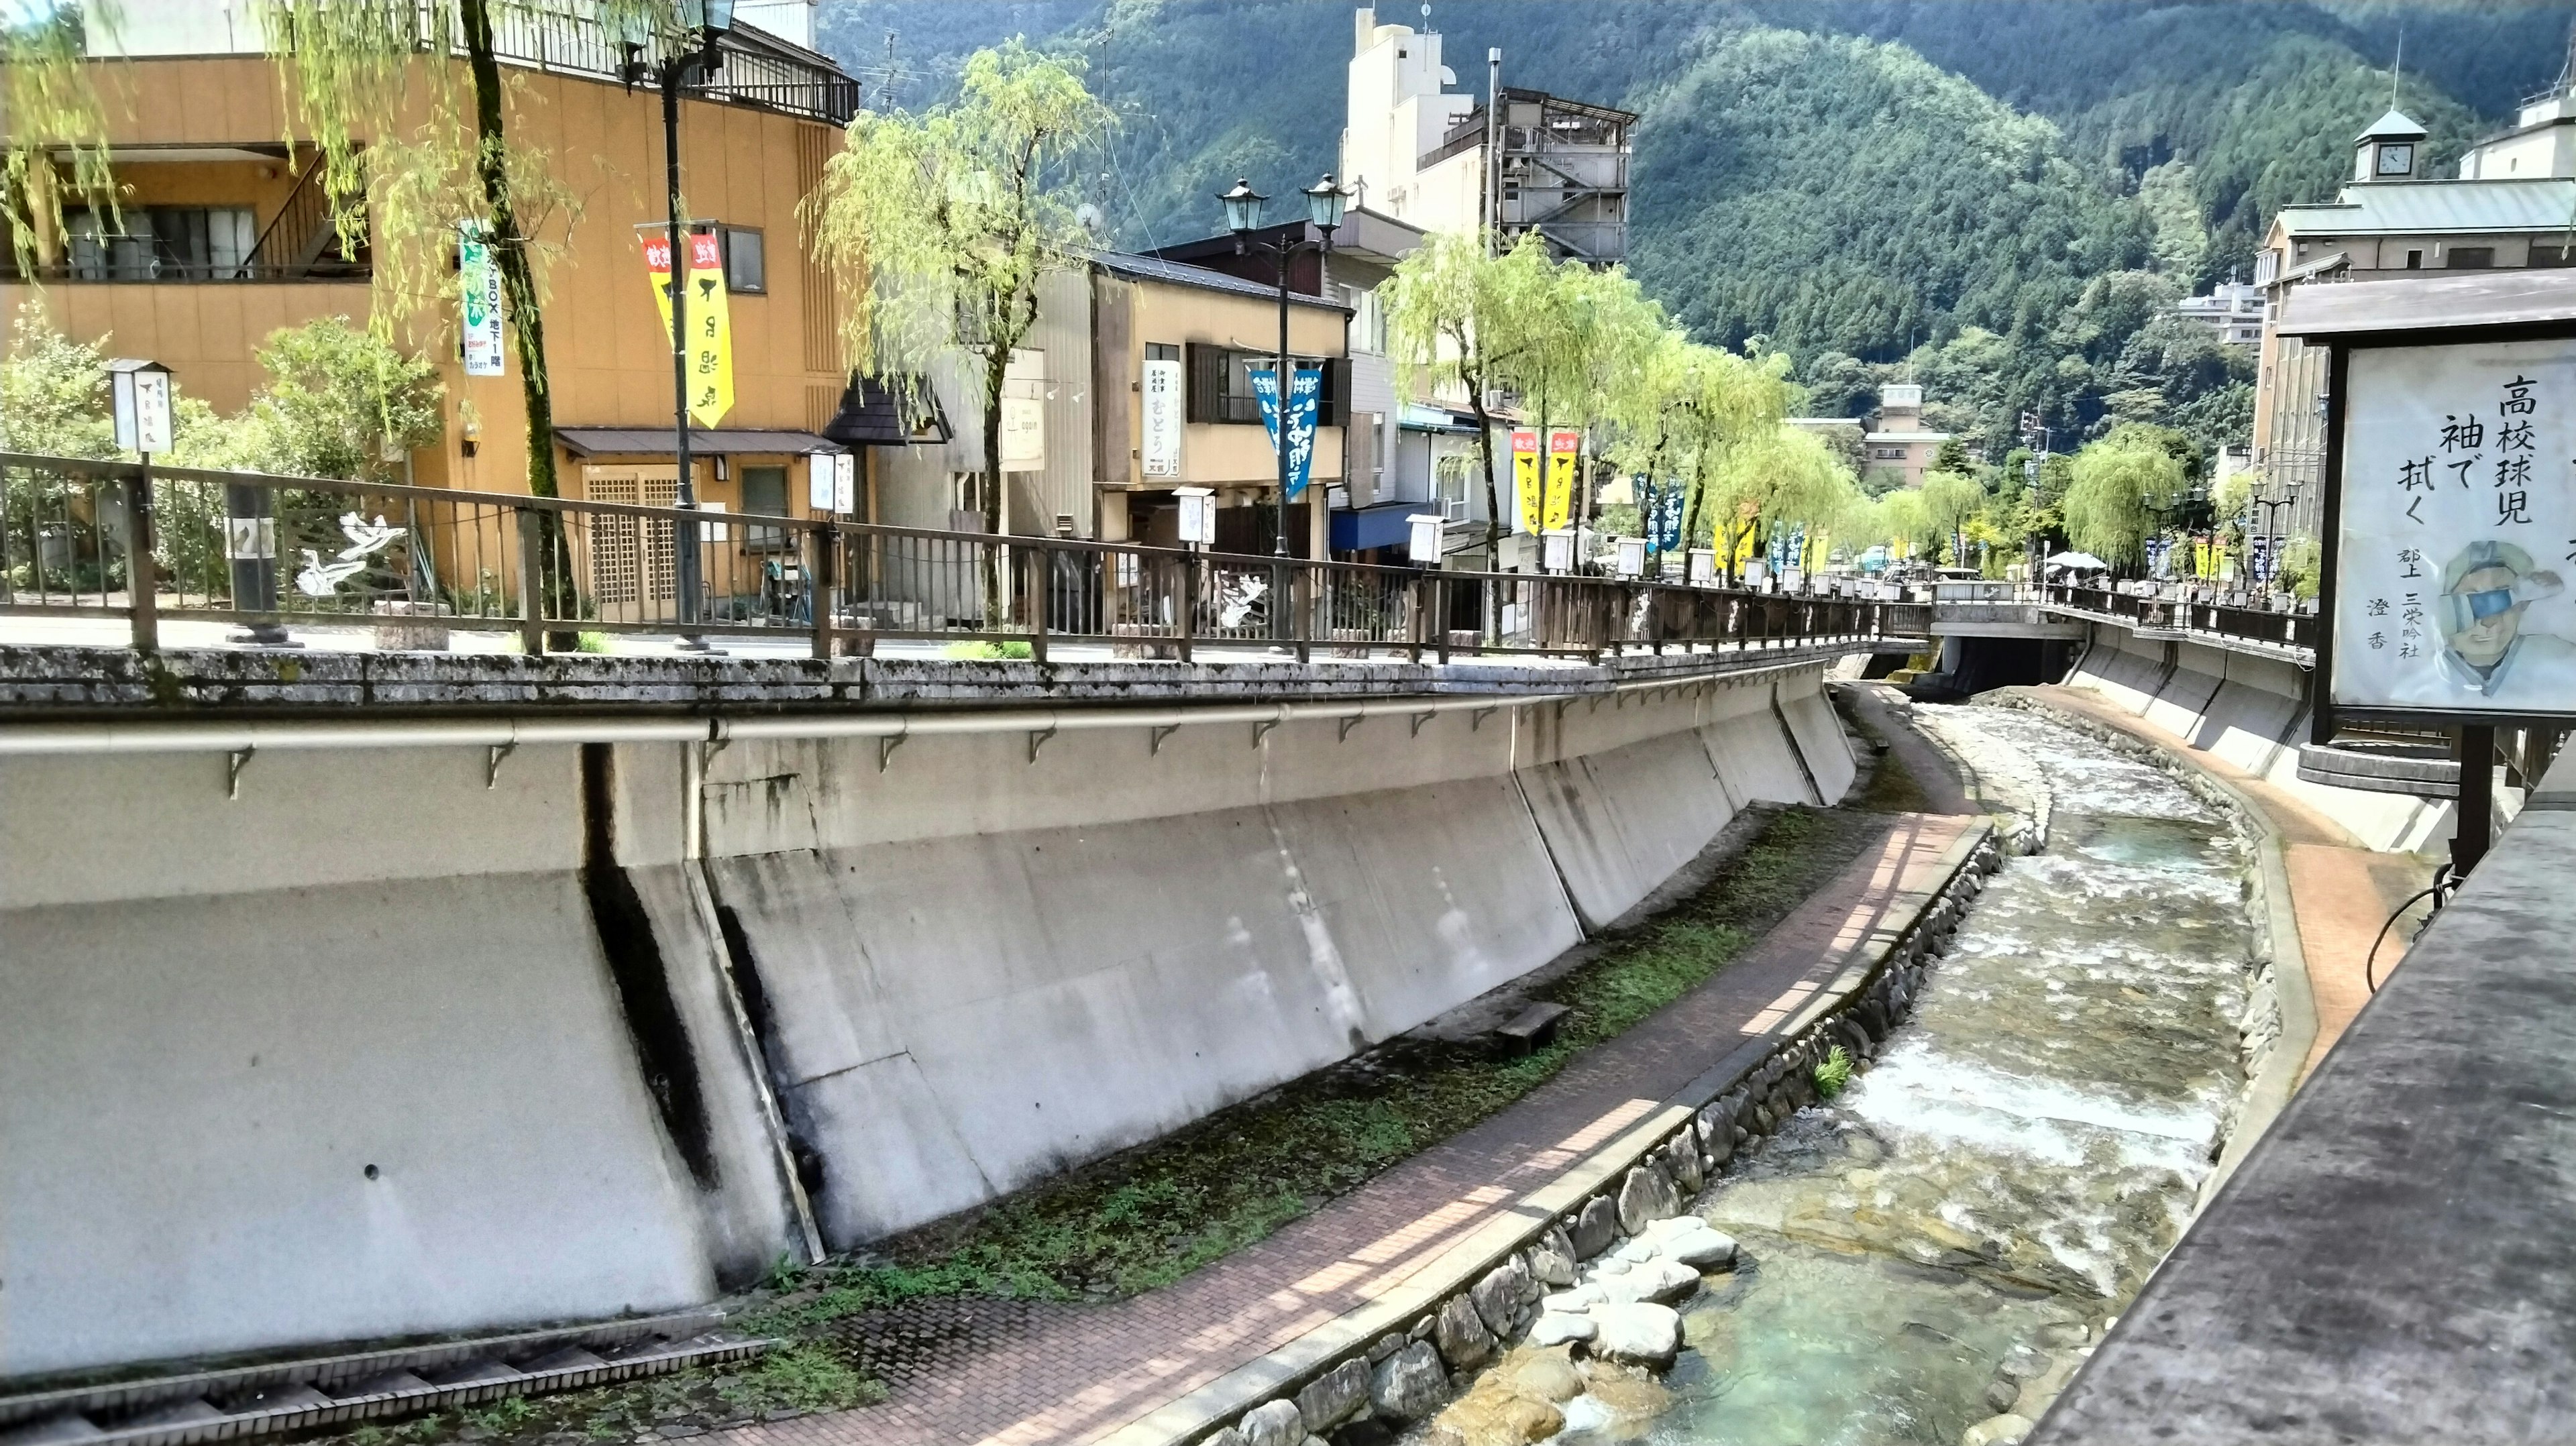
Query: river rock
{"x": 1385, "y": 1346}
{"x": 1335, "y": 1396}
{"x": 1546, "y": 1375}
{"x": 1681, "y": 1159}
{"x": 1701, "y": 1249}
{"x": 1498, "y": 1295}
{"x": 2003, "y": 1430}
{"x": 1225, "y": 1436}
{"x": 1657, "y": 1279}
{"x": 1647, "y": 1195}
{"x": 1549, "y": 1264}
{"x": 1595, "y": 1227}
{"x": 1556, "y": 1328}
{"x": 2063, "y": 1334}
{"x": 1635, "y": 1252}
{"x": 1494, "y": 1415}
{"x": 1410, "y": 1384}
{"x": 1628, "y": 1397}
{"x": 2002, "y": 1394}
{"x": 1463, "y": 1340}
{"x": 1275, "y": 1423}
{"x": 1642, "y": 1331}
{"x": 1581, "y": 1298}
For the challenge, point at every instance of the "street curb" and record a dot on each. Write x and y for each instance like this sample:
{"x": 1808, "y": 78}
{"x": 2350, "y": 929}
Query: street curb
{"x": 1883, "y": 972}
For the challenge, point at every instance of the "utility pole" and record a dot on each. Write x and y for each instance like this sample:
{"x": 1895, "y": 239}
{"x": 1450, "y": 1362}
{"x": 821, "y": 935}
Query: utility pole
{"x": 1493, "y": 149}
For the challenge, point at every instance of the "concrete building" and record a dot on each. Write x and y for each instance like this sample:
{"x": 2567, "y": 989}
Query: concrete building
{"x": 2233, "y": 309}
{"x": 1086, "y": 456}
{"x": 1898, "y": 449}
{"x": 223, "y": 237}
{"x": 1440, "y": 160}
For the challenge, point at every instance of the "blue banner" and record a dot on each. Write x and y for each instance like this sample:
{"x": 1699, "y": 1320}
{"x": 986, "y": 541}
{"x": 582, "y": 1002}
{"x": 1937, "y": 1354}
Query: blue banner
{"x": 1668, "y": 516}
{"x": 1308, "y": 390}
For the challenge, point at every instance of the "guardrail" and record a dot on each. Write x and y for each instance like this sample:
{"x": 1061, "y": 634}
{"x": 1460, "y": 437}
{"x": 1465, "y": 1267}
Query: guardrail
{"x": 2280, "y": 629}
{"x": 104, "y": 539}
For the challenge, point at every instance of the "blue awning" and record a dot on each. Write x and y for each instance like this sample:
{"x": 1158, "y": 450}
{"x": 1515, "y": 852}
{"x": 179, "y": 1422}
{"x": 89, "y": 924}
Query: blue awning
{"x": 1385, "y": 525}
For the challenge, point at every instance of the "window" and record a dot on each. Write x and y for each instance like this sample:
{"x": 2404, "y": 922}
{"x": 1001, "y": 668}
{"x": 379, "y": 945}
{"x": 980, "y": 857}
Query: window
{"x": 1888, "y": 454}
{"x": 2472, "y": 258}
{"x": 161, "y": 243}
{"x": 764, "y": 491}
{"x": 1220, "y": 384}
{"x": 2414, "y": 260}
{"x": 746, "y": 262}
{"x": 2553, "y": 255}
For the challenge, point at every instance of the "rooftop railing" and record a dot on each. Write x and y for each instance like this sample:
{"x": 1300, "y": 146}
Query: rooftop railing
{"x": 109, "y": 540}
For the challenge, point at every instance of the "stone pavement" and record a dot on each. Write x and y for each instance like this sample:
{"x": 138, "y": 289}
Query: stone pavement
{"x": 1024, "y": 1372}
{"x": 2340, "y": 892}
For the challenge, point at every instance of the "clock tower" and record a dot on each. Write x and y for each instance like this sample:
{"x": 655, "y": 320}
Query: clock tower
{"x": 2391, "y": 150}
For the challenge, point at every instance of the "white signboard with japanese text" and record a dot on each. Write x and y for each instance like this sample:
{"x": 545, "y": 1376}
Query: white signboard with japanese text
{"x": 2457, "y": 513}
{"x": 1162, "y": 441}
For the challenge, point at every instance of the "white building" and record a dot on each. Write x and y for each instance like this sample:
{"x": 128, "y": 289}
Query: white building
{"x": 2233, "y": 309}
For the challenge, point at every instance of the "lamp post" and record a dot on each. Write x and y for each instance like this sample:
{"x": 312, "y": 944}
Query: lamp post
{"x": 702, "y": 24}
{"x": 2272, "y": 509}
{"x": 1324, "y": 203}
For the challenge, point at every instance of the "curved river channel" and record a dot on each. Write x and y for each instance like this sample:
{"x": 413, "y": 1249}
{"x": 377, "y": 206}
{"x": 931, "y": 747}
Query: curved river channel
{"x": 1927, "y": 1257}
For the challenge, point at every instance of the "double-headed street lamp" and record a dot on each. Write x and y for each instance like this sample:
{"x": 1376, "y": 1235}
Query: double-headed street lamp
{"x": 703, "y": 24}
{"x": 2272, "y": 508}
{"x": 1324, "y": 203}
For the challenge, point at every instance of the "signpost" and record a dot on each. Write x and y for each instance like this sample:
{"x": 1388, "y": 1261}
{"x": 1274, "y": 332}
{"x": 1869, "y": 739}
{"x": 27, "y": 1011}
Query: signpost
{"x": 1163, "y": 417}
{"x": 139, "y": 397}
{"x": 2450, "y": 513}
{"x": 479, "y": 287}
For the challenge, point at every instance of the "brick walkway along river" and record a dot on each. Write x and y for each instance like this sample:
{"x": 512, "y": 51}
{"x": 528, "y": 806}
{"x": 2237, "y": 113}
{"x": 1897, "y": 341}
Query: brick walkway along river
{"x": 1005, "y": 1371}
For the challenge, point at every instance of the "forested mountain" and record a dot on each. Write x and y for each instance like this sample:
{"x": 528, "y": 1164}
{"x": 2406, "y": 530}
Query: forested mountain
{"x": 2000, "y": 195}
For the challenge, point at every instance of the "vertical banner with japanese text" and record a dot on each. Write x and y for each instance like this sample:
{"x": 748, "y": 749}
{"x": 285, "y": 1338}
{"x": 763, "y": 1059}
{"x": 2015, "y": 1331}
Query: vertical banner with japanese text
{"x": 2456, "y": 514}
{"x": 1163, "y": 413}
{"x": 1525, "y": 486}
{"x": 1305, "y": 389}
{"x": 710, "y": 341}
{"x": 1562, "y": 444}
{"x": 479, "y": 285}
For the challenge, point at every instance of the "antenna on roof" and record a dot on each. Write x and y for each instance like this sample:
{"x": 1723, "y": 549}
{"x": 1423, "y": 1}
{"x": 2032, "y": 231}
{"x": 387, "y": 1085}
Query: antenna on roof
{"x": 2398, "y": 67}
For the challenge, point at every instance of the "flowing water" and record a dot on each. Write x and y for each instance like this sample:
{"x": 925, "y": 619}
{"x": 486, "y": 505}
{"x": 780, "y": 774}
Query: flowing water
{"x": 1939, "y": 1244}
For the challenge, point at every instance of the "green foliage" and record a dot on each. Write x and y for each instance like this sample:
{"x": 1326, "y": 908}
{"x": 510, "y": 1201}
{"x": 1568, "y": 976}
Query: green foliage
{"x": 337, "y": 400}
{"x": 53, "y": 146}
{"x": 2120, "y": 482}
{"x": 804, "y": 1376}
{"x": 1834, "y": 1072}
{"x": 53, "y": 391}
{"x": 990, "y": 652}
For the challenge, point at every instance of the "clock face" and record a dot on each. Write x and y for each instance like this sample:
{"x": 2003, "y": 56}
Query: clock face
{"x": 2396, "y": 160}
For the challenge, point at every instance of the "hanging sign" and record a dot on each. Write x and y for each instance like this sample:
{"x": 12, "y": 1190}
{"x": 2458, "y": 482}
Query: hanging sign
{"x": 1306, "y": 388}
{"x": 1163, "y": 415}
{"x": 1525, "y": 479}
{"x": 1669, "y": 500}
{"x": 479, "y": 281}
{"x": 2450, "y": 588}
{"x": 831, "y": 483}
{"x": 1561, "y": 447}
{"x": 710, "y": 344}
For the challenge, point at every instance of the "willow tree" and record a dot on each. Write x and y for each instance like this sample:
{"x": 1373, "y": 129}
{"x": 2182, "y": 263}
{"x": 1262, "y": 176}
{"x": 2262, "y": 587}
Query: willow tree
{"x": 1951, "y": 500}
{"x": 953, "y": 216}
{"x": 1590, "y": 337}
{"x": 1461, "y": 319}
{"x": 1727, "y": 401}
{"x": 1781, "y": 476}
{"x": 352, "y": 70}
{"x": 53, "y": 130}
{"x": 2120, "y": 483}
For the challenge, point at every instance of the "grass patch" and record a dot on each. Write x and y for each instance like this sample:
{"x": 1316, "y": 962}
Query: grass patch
{"x": 590, "y": 642}
{"x": 990, "y": 652}
{"x": 1833, "y": 1072}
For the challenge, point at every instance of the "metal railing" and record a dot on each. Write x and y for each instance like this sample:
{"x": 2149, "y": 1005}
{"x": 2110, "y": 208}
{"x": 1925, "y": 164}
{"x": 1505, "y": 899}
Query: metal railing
{"x": 2250, "y": 624}
{"x": 84, "y": 538}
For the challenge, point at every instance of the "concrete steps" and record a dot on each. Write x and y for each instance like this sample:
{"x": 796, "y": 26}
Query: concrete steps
{"x": 299, "y": 1396}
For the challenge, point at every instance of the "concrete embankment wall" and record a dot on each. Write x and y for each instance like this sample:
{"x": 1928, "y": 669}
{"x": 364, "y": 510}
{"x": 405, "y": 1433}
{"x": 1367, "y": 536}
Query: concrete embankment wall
{"x": 375, "y": 1048}
{"x": 2253, "y": 712}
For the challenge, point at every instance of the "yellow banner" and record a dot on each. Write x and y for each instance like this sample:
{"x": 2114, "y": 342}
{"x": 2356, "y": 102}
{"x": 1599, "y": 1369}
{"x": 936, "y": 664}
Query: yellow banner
{"x": 1525, "y": 477}
{"x": 1561, "y": 447}
{"x": 710, "y": 346}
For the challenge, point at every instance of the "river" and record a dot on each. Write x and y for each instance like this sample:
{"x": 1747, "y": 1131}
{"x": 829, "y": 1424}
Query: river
{"x": 1927, "y": 1257}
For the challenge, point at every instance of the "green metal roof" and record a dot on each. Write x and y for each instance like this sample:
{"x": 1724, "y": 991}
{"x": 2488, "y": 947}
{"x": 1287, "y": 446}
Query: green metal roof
{"x": 2381, "y": 208}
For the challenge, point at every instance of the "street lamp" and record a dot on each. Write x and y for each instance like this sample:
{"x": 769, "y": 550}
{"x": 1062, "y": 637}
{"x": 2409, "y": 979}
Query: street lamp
{"x": 1324, "y": 205}
{"x": 2272, "y": 509}
{"x": 693, "y": 45}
